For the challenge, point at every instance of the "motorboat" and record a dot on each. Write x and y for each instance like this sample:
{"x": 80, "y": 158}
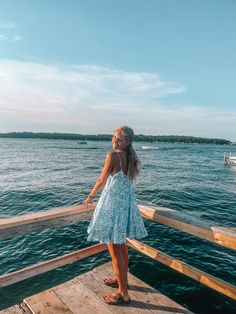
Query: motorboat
{"x": 82, "y": 142}
{"x": 229, "y": 159}
{"x": 149, "y": 147}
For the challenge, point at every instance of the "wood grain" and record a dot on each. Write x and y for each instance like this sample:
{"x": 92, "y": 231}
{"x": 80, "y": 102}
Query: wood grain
{"x": 185, "y": 269}
{"x": 31, "y": 271}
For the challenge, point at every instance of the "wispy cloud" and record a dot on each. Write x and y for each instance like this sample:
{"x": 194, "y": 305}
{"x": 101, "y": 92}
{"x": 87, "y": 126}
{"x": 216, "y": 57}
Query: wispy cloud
{"x": 79, "y": 86}
{"x": 3, "y": 37}
{"x": 15, "y": 37}
{"x": 8, "y": 25}
{"x": 93, "y": 98}
{"x": 11, "y": 37}
{"x": 8, "y": 32}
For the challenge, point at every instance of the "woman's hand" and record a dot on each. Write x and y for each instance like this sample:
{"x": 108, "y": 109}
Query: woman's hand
{"x": 101, "y": 180}
{"x": 89, "y": 200}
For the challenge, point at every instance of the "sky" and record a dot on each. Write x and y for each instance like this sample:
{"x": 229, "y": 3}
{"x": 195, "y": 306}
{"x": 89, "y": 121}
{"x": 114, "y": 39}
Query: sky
{"x": 163, "y": 67}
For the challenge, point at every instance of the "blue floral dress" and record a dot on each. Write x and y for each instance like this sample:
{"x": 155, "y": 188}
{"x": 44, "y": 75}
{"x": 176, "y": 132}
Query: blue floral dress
{"x": 116, "y": 216}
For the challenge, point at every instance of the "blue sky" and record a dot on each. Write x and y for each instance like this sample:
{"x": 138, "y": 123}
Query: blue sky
{"x": 160, "y": 66}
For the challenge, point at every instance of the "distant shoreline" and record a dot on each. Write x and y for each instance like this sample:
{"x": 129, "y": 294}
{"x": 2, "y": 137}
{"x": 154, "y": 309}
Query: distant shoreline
{"x": 107, "y": 137}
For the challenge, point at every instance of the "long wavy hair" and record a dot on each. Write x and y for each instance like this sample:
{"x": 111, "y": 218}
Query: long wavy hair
{"x": 133, "y": 162}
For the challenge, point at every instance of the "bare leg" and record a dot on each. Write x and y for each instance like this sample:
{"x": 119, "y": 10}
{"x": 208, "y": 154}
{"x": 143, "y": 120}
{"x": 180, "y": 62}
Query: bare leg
{"x": 110, "y": 250}
{"x": 119, "y": 264}
{"x": 125, "y": 253}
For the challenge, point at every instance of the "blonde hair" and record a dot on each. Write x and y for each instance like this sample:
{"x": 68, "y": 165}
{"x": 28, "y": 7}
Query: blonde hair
{"x": 133, "y": 163}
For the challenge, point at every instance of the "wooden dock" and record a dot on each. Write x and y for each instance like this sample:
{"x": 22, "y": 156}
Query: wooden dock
{"x": 83, "y": 295}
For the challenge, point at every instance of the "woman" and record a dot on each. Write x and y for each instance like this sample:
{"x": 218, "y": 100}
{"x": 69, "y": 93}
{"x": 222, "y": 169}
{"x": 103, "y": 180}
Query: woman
{"x": 117, "y": 216}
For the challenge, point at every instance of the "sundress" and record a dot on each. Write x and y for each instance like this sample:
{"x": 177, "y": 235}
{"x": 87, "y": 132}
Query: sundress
{"x": 116, "y": 216}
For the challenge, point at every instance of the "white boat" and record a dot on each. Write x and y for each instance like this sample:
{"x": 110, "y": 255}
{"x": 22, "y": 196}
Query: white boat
{"x": 149, "y": 147}
{"x": 229, "y": 159}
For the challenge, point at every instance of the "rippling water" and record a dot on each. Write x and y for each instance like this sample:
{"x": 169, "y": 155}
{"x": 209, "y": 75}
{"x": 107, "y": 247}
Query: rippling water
{"x": 192, "y": 179}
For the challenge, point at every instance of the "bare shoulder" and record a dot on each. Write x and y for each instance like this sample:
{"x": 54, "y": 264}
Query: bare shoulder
{"x": 110, "y": 155}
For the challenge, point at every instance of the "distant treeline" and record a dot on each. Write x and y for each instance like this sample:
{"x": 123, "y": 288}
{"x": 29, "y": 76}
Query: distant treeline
{"x": 107, "y": 137}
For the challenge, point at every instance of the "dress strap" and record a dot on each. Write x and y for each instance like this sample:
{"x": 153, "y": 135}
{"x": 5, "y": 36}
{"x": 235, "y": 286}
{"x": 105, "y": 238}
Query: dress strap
{"x": 119, "y": 161}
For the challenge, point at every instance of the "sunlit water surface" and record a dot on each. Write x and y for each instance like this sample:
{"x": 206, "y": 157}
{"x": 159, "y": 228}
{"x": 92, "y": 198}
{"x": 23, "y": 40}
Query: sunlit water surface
{"x": 192, "y": 179}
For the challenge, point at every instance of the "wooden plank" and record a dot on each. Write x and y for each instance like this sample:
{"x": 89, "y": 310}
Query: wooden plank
{"x": 171, "y": 218}
{"x": 25, "y": 309}
{"x": 10, "y": 227}
{"x": 145, "y": 295}
{"x": 46, "y": 266}
{"x": 79, "y": 299}
{"x": 94, "y": 282}
{"x": 43, "y": 216}
{"x": 185, "y": 269}
{"x": 46, "y": 302}
{"x": 12, "y": 310}
{"x": 84, "y": 293}
{"x": 10, "y": 232}
{"x": 23, "y": 224}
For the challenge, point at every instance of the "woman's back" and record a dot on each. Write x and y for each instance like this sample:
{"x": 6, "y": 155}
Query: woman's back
{"x": 120, "y": 162}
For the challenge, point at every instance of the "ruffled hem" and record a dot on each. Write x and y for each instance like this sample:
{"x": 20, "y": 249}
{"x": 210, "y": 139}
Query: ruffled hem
{"x": 115, "y": 240}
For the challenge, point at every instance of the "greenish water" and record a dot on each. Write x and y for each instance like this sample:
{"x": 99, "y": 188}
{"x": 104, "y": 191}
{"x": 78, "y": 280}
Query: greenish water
{"x": 40, "y": 174}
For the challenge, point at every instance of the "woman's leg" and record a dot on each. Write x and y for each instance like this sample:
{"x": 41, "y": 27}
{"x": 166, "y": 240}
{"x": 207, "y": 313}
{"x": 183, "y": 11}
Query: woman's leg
{"x": 125, "y": 253}
{"x": 114, "y": 263}
{"x": 119, "y": 264}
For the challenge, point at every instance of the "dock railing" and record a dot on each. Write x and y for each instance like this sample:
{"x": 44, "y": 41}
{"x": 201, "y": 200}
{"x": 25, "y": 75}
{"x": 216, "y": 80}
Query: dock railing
{"x": 22, "y": 224}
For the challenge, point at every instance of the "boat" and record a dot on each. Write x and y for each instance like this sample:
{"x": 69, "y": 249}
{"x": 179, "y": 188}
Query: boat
{"x": 82, "y": 142}
{"x": 150, "y": 147}
{"x": 229, "y": 159}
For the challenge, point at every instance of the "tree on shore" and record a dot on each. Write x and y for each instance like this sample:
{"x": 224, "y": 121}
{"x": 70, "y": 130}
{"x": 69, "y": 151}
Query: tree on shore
{"x": 107, "y": 137}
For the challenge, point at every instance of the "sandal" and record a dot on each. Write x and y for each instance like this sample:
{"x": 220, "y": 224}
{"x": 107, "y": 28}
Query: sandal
{"x": 112, "y": 283}
{"x": 115, "y": 299}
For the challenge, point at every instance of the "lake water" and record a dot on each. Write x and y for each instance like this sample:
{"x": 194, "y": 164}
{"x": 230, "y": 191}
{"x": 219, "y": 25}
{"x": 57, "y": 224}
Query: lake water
{"x": 192, "y": 179}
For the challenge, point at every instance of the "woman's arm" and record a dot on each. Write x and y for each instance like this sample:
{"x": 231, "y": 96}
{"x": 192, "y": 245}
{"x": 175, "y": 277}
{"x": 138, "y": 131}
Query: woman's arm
{"x": 101, "y": 180}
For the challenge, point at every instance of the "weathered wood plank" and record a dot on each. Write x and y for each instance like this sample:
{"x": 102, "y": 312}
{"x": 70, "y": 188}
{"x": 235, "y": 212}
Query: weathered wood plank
{"x": 43, "y": 267}
{"x": 43, "y": 215}
{"x": 43, "y": 219}
{"x": 10, "y": 232}
{"x": 12, "y": 310}
{"x": 22, "y": 224}
{"x": 145, "y": 294}
{"x": 171, "y": 218}
{"x": 94, "y": 282}
{"x": 79, "y": 299}
{"x": 46, "y": 302}
{"x": 83, "y": 295}
{"x": 185, "y": 269}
